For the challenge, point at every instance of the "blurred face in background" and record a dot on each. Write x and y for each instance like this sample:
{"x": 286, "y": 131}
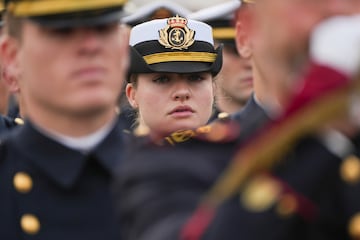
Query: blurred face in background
{"x": 354, "y": 6}
{"x": 234, "y": 82}
{"x": 280, "y": 34}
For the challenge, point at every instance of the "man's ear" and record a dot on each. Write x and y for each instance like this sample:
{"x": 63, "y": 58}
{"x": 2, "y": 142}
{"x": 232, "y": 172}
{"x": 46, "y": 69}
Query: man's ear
{"x": 10, "y": 67}
{"x": 10, "y": 79}
{"x": 243, "y": 33}
{"x": 131, "y": 95}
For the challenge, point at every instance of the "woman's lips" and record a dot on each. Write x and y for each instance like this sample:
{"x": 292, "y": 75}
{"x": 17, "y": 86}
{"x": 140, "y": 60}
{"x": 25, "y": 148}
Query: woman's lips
{"x": 182, "y": 112}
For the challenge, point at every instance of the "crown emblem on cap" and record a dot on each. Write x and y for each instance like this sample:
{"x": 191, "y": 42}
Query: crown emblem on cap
{"x": 176, "y": 35}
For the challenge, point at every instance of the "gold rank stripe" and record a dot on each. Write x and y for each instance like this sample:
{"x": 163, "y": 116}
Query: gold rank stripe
{"x": 48, "y": 7}
{"x": 249, "y": 1}
{"x": 224, "y": 33}
{"x": 180, "y": 57}
{"x": 2, "y": 6}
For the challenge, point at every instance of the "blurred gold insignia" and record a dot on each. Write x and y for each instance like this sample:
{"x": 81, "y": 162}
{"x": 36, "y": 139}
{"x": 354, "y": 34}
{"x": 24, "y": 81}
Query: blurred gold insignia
{"x": 260, "y": 194}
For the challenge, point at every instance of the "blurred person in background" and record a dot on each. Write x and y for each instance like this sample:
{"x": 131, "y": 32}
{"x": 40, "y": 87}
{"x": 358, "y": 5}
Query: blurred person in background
{"x": 193, "y": 6}
{"x": 234, "y": 82}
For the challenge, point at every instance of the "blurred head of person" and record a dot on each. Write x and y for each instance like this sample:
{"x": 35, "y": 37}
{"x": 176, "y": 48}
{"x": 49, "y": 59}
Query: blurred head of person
{"x": 276, "y": 34}
{"x": 191, "y": 5}
{"x": 151, "y": 10}
{"x": 173, "y": 62}
{"x": 68, "y": 58}
{"x": 234, "y": 82}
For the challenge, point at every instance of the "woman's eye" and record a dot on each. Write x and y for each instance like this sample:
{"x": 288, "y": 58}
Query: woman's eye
{"x": 162, "y": 79}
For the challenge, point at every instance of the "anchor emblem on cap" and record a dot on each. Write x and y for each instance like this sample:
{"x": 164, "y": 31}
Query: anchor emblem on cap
{"x": 176, "y": 35}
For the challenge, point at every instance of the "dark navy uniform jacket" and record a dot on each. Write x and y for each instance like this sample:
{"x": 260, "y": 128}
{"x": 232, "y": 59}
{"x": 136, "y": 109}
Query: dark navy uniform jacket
{"x": 49, "y": 191}
{"x": 158, "y": 187}
{"x": 309, "y": 204}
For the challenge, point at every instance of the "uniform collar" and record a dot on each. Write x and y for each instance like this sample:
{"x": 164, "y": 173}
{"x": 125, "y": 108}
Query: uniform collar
{"x": 270, "y": 110}
{"x": 251, "y": 109}
{"x": 83, "y": 144}
{"x": 62, "y": 164}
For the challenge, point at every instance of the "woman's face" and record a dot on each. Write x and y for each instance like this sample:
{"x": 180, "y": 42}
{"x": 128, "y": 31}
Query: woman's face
{"x": 168, "y": 102}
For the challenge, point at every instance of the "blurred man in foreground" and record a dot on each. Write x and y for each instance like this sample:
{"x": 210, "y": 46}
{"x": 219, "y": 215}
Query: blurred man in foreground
{"x": 69, "y": 58}
{"x": 234, "y": 83}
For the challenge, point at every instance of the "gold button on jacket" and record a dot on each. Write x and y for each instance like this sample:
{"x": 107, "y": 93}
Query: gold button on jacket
{"x": 23, "y": 182}
{"x": 30, "y": 224}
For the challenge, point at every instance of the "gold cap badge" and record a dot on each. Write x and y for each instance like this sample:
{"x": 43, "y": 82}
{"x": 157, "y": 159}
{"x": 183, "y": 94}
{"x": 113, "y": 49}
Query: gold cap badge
{"x": 176, "y": 35}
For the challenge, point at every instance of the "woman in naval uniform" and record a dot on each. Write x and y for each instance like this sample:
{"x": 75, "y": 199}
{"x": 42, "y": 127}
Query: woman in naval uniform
{"x": 170, "y": 83}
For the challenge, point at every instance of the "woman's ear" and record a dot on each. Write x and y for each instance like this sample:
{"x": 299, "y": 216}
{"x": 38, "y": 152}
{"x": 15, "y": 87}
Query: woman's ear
{"x": 131, "y": 95}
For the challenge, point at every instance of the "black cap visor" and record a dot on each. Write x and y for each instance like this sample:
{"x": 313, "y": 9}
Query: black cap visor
{"x": 181, "y": 67}
{"x": 138, "y": 64}
{"x": 80, "y": 19}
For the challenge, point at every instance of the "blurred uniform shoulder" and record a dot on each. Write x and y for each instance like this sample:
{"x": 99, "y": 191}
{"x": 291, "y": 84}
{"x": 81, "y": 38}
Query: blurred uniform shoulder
{"x": 223, "y": 129}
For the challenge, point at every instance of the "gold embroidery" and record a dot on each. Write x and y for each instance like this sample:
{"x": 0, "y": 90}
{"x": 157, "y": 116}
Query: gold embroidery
{"x": 176, "y": 35}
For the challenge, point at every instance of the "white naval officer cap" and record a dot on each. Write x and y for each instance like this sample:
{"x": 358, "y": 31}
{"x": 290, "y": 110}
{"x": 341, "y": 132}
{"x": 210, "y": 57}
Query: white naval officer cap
{"x": 176, "y": 45}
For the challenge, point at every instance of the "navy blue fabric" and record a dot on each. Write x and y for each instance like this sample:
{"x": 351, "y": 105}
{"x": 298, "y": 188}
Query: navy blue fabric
{"x": 312, "y": 172}
{"x": 71, "y": 193}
